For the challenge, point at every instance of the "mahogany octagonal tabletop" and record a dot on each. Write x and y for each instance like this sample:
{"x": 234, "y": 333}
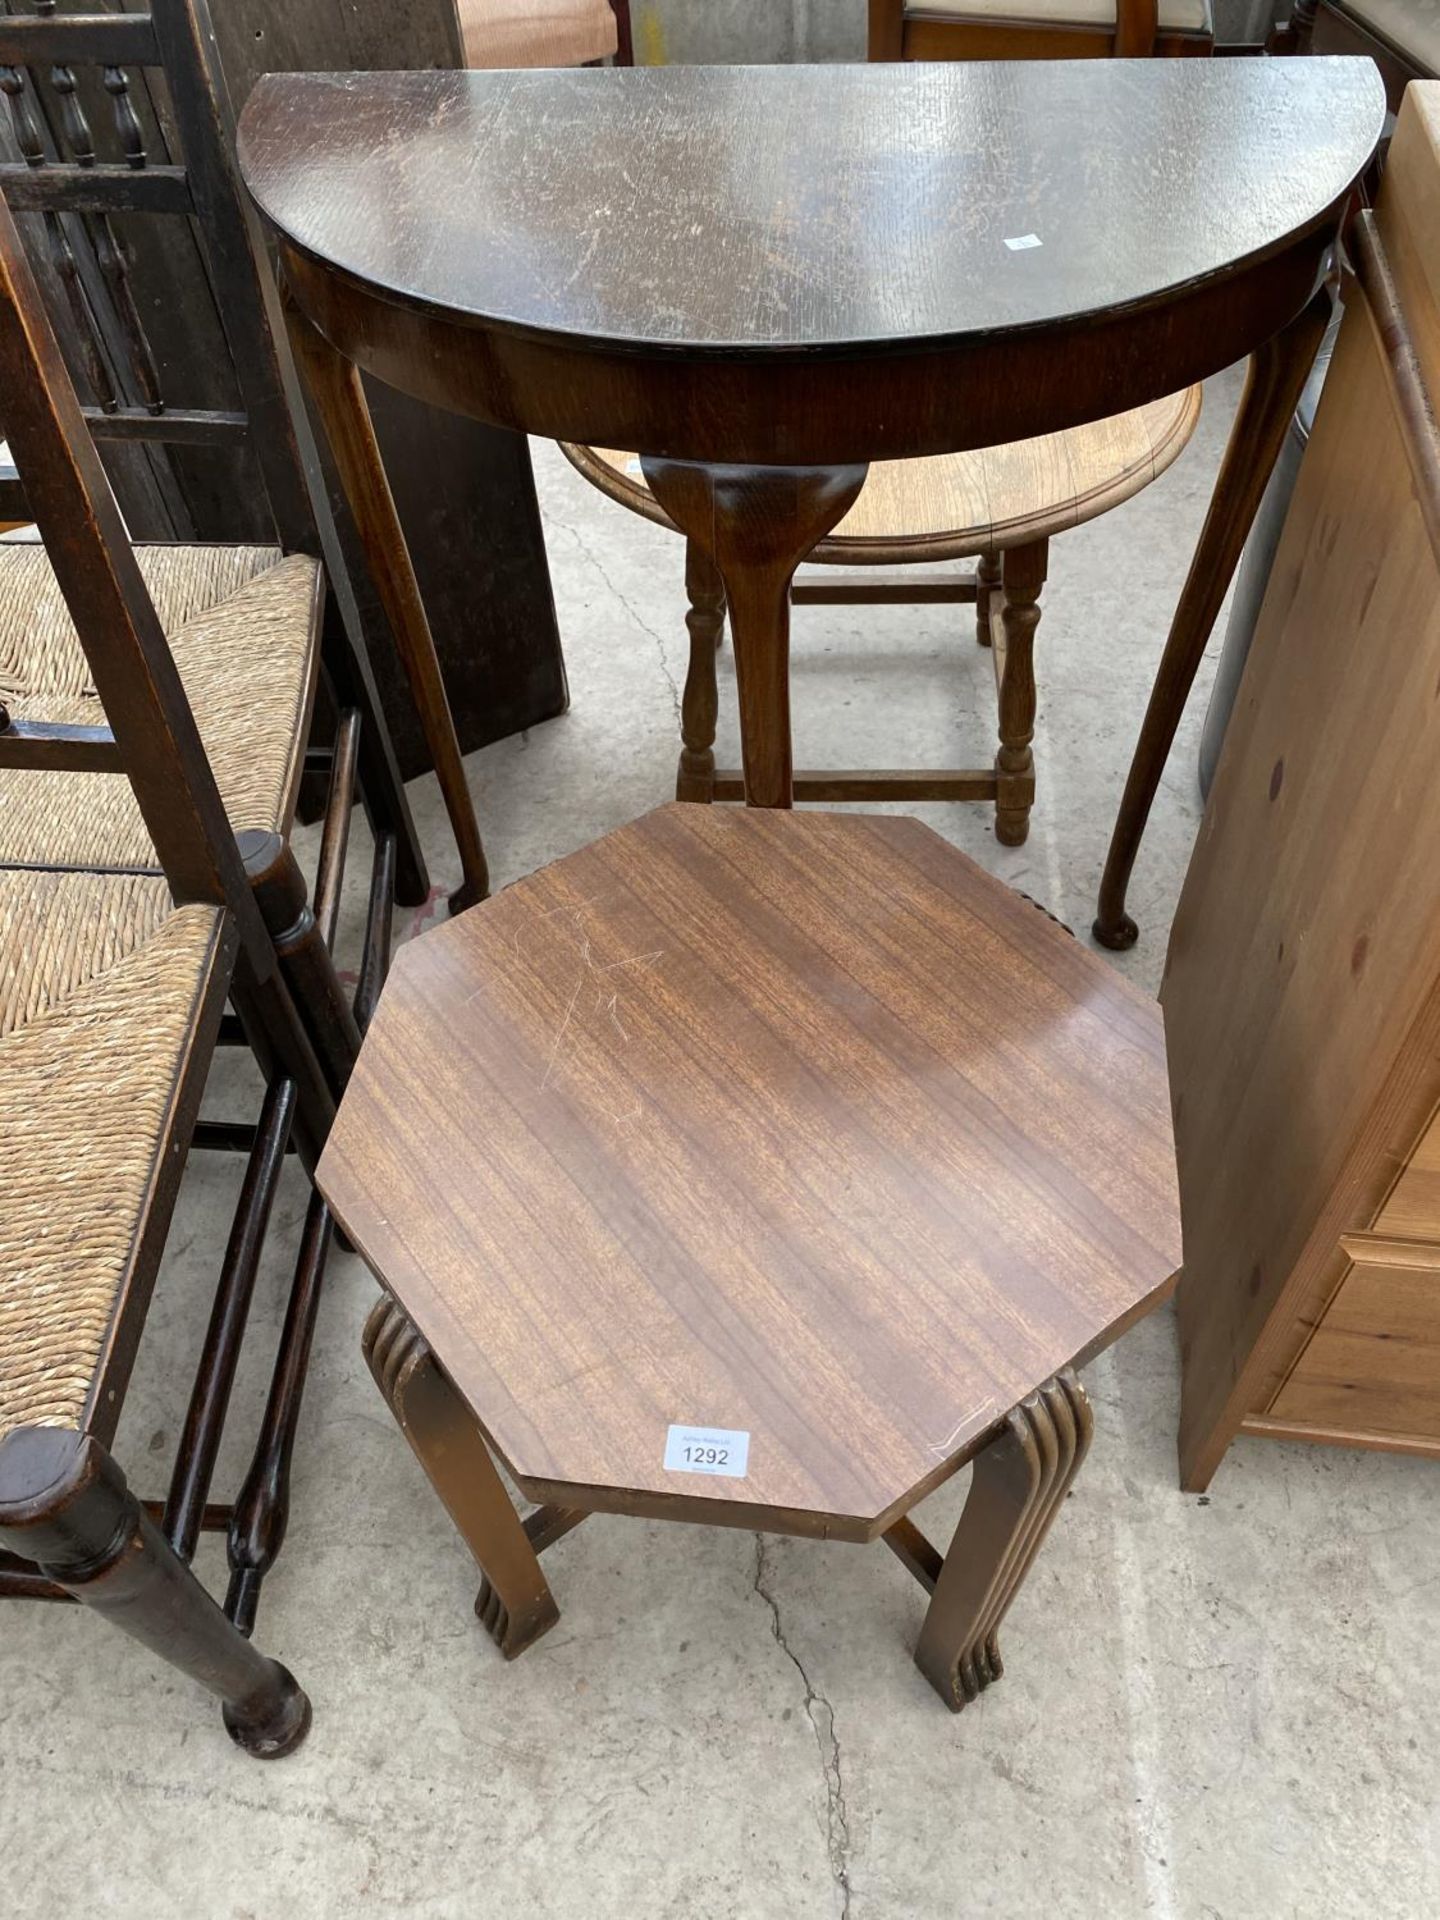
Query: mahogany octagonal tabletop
{"x": 619, "y": 256}
{"x": 800, "y": 1127}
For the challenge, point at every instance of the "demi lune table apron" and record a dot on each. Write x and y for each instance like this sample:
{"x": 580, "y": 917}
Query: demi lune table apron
{"x": 763, "y": 278}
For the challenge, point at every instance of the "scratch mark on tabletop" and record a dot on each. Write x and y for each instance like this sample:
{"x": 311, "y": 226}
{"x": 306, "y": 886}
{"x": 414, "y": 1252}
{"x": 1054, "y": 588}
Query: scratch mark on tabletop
{"x": 942, "y": 1449}
{"x": 584, "y": 261}
{"x": 551, "y": 1064}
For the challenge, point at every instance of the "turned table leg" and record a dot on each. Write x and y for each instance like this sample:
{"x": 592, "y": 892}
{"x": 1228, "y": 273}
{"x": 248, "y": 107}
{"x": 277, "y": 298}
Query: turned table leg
{"x": 757, "y": 524}
{"x": 515, "y": 1604}
{"x": 1021, "y": 579}
{"x": 65, "y": 1505}
{"x": 705, "y": 621}
{"x": 1273, "y": 385}
{"x": 1018, "y": 1484}
{"x": 987, "y": 584}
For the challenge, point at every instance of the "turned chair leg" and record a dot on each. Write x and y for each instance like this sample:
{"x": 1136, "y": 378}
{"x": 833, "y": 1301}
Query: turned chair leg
{"x": 515, "y": 1604}
{"x": 1018, "y": 1484}
{"x": 757, "y": 524}
{"x": 987, "y": 582}
{"x": 65, "y": 1505}
{"x": 261, "y": 1513}
{"x": 705, "y": 619}
{"x": 306, "y": 963}
{"x": 1022, "y": 575}
{"x": 284, "y": 1049}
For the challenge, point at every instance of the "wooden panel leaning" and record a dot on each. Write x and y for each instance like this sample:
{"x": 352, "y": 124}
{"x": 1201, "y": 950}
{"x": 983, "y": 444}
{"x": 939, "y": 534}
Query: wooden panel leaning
{"x": 114, "y": 985}
{"x": 1302, "y": 992}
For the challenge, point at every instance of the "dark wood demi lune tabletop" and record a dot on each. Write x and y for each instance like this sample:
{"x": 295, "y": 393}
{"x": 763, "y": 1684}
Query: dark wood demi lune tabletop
{"x": 810, "y": 268}
{"x": 806, "y": 264}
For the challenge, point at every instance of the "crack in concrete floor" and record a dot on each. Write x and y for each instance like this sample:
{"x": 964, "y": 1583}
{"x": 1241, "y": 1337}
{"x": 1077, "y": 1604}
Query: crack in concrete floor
{"x": 837, "y": 1814}
{"x": 625, "y": 601}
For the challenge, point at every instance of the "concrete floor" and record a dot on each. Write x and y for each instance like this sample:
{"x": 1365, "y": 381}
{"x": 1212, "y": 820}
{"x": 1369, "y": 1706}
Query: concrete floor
{"x": 1213, "y": 1709}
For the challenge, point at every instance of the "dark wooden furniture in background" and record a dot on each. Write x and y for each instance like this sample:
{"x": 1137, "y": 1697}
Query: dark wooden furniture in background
{"x": 521, "y": 286}
{"x": 84, "y": 207}
{"x": 1000, "y": 505}
{"x": 465, "y": 491}
{"x": 1037, "y": 29}
{"x": 113, "y": 994}
{"x": 1302, "y": 993}
{"x": 799, "y": 1127}
{"x": 1402, "y": 37}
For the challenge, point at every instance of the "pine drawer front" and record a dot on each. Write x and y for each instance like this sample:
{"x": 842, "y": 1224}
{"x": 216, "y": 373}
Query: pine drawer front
{"x": 1412, "y": 1211}
{"x": 1372, "y": 1366}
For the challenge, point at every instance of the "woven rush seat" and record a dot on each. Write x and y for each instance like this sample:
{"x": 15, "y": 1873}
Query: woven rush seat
{"x": 243, "y": 628}
{"x": 102, "y": 983}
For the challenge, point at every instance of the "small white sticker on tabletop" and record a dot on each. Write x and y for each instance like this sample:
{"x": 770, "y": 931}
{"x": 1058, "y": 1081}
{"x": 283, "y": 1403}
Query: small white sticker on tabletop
{"x": 1024, "y": 240}
{"x": 720, "y": 1450}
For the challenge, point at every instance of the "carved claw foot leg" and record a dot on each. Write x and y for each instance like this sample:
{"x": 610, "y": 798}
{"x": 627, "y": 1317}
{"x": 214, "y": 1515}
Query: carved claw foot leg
{"x": 1022, "y": 577}
{"x": 1019, "y": 1483}
{"x": 515, "y": 1604}
{"x": 756, "y": 524}
{"x": 705, "y": 619}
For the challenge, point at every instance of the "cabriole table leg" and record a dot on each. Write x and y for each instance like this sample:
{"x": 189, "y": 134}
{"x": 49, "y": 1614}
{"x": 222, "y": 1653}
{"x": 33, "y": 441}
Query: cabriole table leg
{"x": 1273, "y": 385}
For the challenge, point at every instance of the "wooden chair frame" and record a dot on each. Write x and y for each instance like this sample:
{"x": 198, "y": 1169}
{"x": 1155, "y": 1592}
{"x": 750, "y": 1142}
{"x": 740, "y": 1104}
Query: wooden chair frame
{"x": 70, "y": 1527}
{"x": 177, "y": 37}
{"x": 903, "y": 30}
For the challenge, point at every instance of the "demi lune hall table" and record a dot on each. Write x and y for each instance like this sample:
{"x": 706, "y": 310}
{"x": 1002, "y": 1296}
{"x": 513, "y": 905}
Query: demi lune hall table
{"x": 763, "y": 278}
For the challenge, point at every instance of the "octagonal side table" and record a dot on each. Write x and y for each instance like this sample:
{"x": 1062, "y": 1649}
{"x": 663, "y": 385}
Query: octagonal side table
{"x": 761, "y": 1170}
